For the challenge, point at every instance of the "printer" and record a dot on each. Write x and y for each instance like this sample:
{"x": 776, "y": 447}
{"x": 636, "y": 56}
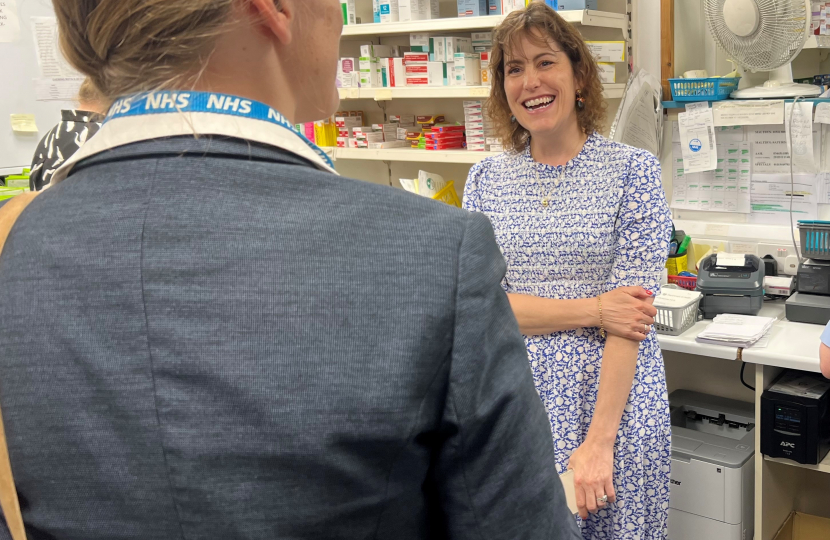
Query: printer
{"x": 731, "y": 284}
{"x": 811, "y": 302}
{"x": 795, "y": 418}
{"x": 712, "y": 469}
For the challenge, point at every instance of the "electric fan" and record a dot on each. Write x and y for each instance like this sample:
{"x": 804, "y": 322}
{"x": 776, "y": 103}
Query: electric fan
{"x": 763, "y": 35}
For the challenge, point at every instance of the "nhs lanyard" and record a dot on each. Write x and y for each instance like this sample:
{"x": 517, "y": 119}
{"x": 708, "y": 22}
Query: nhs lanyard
{"x": 172, "y": 102}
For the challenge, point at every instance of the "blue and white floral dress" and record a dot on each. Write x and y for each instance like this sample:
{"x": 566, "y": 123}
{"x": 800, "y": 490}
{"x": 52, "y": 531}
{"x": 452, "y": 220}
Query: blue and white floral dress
{"x": 606, "y": 225}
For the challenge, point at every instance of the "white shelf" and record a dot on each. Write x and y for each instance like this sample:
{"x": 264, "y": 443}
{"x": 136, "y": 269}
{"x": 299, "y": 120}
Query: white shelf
{"x": 817, "y": 42}
{"x": 462, "y": 24}
{"x": 612, "y": 91}
{"x": 410, "y": 154}
{"x": 824, "y": 466}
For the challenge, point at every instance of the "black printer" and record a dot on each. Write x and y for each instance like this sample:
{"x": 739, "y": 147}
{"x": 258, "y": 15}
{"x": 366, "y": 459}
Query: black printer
{"x": 736, "y": 287}
{"x": 795, "y": 418}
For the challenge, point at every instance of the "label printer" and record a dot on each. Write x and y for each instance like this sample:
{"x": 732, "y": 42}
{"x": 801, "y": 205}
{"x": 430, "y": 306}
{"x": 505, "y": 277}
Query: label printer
{"x": 712, "y": 468}
{"x": 731, "y": 284}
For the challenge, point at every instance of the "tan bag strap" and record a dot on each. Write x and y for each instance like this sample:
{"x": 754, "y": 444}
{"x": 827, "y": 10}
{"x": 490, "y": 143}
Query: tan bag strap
{"x": 8, "y": 494}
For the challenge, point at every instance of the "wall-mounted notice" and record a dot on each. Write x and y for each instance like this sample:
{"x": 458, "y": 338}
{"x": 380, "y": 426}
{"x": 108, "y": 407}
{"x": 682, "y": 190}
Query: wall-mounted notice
{"x": 748, "y": 113}
{"x": 58, "y": 89}
{"x": 724, "y": 189}
{"x": 773, "y": 195}
{"x": 9, "y": 21}
{"x": 771, "y": 154}
{"x": 49, "y": 57}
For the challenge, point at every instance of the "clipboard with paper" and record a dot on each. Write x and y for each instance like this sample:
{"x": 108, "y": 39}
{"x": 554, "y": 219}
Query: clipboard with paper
{"x": 639, "y": 119}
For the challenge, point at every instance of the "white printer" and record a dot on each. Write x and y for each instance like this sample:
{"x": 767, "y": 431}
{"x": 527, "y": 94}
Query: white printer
{"x": 713, "y": 468}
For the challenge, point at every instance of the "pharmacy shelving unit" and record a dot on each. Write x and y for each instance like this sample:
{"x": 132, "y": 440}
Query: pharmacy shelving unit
{"x": 612, "y": 91}
{"x": 616, "y": 24}
{"x": 412, "y": 155}
{"x": 470, "y": 24}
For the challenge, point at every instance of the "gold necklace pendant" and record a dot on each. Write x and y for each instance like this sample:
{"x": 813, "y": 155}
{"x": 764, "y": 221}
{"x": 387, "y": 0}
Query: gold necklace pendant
{"x": 545, "y": 203}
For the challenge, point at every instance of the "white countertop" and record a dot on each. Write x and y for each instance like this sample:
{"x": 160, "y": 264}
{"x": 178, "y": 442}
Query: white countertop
{"x": 792, "y": 345}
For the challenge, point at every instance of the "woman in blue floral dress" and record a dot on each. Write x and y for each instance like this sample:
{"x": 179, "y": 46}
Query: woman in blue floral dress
{"x": 584, "y": 227}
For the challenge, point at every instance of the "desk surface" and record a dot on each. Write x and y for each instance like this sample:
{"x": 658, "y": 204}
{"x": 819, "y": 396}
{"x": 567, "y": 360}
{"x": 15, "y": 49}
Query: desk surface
{"x": 792, "y": 345}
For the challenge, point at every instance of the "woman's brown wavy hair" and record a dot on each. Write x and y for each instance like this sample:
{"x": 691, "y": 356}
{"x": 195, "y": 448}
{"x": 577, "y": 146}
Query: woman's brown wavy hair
{"x": 552, "y": 27}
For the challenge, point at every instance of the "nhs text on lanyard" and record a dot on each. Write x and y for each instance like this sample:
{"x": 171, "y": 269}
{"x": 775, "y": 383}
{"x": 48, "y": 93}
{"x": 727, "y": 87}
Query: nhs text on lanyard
{"x": 168, "y": 102}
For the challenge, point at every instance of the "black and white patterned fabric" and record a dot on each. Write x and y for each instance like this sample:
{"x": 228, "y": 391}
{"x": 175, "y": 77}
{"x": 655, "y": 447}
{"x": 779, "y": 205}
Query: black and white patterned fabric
{"x": 60, "y": 143}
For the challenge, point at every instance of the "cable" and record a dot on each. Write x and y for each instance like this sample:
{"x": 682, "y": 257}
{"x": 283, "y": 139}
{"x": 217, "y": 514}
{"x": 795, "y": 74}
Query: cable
{"x": 792, "y": 186}
{"x": 742, "y": 378}
{"x": 740, "y": 358}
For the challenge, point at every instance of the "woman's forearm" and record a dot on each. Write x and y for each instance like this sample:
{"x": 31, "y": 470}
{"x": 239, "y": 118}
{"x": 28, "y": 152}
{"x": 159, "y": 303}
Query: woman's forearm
{"x": 619, "y": 364}
{"x": 542, "y": 316}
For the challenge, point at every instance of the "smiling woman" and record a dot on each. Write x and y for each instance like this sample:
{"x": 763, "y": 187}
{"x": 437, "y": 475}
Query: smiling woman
{"x": 584, "y": 226}
{"x": 557, "y": 46}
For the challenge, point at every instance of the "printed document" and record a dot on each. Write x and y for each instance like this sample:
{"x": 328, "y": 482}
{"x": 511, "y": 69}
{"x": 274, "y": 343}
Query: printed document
{"x": 748, "y": 113}
{"x": 697, "y": 140}
{"x": 49, "y": 57}
{"x": 770, "y": 154}
{"x": 771, "y": 194}
{"x": 726, "y": 189}
{"x": 9, "y": 21}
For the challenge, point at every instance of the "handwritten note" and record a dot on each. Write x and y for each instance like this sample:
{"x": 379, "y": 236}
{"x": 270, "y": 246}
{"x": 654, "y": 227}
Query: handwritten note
{"x": 822, "y": 113}
{"x": 798, "y": 122}
{"x": 23, "y": 123}
{"x": 9, "y": 21}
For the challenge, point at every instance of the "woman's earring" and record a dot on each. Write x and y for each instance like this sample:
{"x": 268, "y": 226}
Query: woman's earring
{"x": 580, "y": 101}
{"x": 512, "y": 119}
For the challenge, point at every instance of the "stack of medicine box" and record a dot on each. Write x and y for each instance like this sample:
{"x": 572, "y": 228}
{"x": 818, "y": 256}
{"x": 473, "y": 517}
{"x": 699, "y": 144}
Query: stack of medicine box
{"x": 819, "y": 20}
{"x": 421, "y": 72}
{"x": 482, "y": 45}
{"x": 607, "y": 54}
{"x": 444, "y": 137}
{"x": 373, "y": 58}
{"x": 479, "y": 127}
{"x": 417, "y": 135}
{"x": 405, "y": 123}
{"x": 348, "y": 73}
{"x": 467, "y": 69}
{"x": 417, "y": 10}
{"x": 346, "y": 124}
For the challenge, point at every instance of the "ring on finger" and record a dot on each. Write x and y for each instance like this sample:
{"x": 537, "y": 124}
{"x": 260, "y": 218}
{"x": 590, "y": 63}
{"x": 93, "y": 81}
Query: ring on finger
{"x": 602, "y": 500}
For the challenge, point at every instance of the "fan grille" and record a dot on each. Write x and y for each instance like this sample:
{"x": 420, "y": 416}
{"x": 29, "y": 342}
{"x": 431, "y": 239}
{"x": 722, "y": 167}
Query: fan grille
{"x": 779, "y": 38}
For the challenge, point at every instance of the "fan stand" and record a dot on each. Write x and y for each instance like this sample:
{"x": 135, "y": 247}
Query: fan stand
{"x": 779, "y": 85}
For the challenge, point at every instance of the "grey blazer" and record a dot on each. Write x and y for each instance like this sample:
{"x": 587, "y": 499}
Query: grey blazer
{"x": 213, "y": 340}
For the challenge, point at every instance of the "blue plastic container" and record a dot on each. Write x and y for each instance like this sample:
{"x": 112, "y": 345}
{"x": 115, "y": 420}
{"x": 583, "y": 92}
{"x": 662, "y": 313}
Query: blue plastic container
{"x": 706, "y": 89}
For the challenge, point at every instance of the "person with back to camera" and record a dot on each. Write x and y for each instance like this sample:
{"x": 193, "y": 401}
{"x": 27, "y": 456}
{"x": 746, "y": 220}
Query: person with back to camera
{"x": 584, "y": 226}
{"x": 234, "y": 342}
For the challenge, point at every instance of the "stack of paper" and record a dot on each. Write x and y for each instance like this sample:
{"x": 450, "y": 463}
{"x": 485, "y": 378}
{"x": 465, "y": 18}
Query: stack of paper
{"x": 736, "y": 330}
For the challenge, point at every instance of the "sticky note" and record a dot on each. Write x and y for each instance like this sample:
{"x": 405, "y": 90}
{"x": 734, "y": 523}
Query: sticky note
{"x": 23, "y": 123}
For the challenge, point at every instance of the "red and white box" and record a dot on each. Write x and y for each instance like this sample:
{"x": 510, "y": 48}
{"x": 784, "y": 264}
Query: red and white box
{"x": 415, "y": 58}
